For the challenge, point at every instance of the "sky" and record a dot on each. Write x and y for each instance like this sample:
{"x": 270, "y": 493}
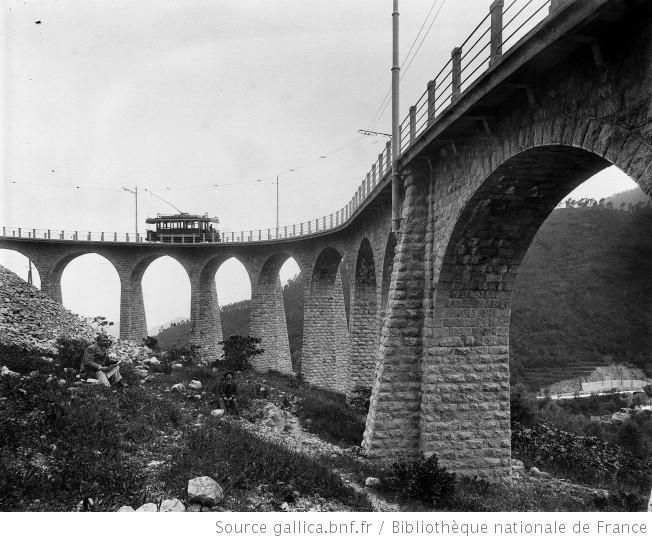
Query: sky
{"x": 202, "y": 103}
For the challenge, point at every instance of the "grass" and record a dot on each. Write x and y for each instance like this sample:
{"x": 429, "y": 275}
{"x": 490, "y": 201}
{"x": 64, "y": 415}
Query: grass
{"x": 61, "y": 443}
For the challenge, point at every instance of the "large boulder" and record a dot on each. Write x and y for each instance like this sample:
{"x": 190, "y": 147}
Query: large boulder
{"x": 195, "y": 385}
{"x": 274, "y": 418}
{"x": 205, "y": 490}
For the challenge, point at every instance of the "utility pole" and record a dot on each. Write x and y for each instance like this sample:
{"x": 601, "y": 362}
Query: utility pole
{"x": 135, "y": 193}
{"x": 277, "y": 206}
{"x": 396, "y": 129}
{"x": 29, "y": 273}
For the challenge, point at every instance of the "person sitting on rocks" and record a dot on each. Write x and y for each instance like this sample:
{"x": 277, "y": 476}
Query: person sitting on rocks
{"x": 227, "y": 393}
{"x": 96, "y": 363}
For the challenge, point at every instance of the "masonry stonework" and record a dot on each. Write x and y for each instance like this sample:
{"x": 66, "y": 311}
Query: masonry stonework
{"x": 440, "y": 292}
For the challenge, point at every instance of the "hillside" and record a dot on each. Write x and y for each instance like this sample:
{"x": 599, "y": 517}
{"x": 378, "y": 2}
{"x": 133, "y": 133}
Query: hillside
{"x": 582, "y": 298}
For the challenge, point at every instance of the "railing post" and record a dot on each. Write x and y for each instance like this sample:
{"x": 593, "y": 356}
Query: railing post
{"x": 309, "y": 226}
{"x": 301, "y": 229}
{"x": 294, "y": 230}
{"x": 285, "y": 232}
{"x": 126, "y": 236}
{"x": 20, "y": 233}
{"x": 241, "y": 236}
{"x": 3, "y": 232}
{"x": 62, "y": 235}
{"x": 432, "y": 103}
{"x": 369, "y": 181}
{"x": 260, "y": 235}
{"x": 269, "y": 234}
{"x": 380, "y": 166}
{"x": 88, "y": 237}
{"x": 496, "y": 47}
{"x": 456, "y": 55}
{"x": 388, "y": 155}
{"x": 374, "y": 178}
{"x": 413, "y": 122}
{"x": 251, "y": 235}
{"x": 102, "y": 236}
{"x": 115, "y": 236}
{"x": 34, "y": 233}
{"x": 76, "y": 237}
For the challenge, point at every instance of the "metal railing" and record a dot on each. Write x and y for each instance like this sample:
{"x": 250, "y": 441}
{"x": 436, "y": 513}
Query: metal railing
{"x": 499, "y": 31}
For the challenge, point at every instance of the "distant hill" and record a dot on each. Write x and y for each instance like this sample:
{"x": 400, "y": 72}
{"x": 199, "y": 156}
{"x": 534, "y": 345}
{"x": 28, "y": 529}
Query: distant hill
{"x": 633, "y": 196}
{"x": 583, "y": 297}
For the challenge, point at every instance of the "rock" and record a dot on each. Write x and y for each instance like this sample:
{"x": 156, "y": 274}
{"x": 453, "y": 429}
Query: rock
{"x": 148, "y": 507}
{"x": 125, "y": 509}
{"x": 195, "y": 385}
{"x": 153, "y": 361}
{"x": 194, "y": 508}
{"x": 176, "y": 366}
{"x": 517, "y": 464}
{"x": 538, "y": 473}
{"x": 649, "y": 504}
{"x": 179, "y": 388}
{"x": 274, "y": 418}
{"x": 217, "y": 413}
{"x": 172, "y": 505}
{"x": 285, "y": 507}
{"x": 371, "y": 481}
{"x": 5, "y": 371}
{"x": 141, "y": 371}
{"x": 204, "y": 490}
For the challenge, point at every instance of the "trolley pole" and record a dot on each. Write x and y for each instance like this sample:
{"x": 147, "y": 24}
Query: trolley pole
{"x": 396, "y": 129}
{"x": 277, "y": 206}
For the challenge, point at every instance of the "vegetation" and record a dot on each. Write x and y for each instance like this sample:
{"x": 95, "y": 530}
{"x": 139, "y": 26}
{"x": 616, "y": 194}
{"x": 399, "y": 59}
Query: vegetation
{"x": 238, "y": 352}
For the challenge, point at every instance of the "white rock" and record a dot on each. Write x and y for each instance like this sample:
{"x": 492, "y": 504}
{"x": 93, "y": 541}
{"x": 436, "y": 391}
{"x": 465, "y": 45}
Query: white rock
{"x": 274, "y": 418}
{"x": 176, "y": 366}
{"x": 172, "y": 505}
{"x": 5, "y": 371}
{"x": 371, "y": 481}
{"x": 649, "y": 504}
{"x": 180, "y": 388}
{"x": 148, "y": 507}
{"x": 285, "y": 507}
{"x": 217, "y": 413}
{"x": 125, "y": 509}
{"x": 205, "y": 490}
{"x": 153, "y": 361}
{"x": 195, "y": 385}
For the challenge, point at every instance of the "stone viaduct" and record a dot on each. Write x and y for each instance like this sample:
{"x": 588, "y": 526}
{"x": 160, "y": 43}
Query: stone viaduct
{"x": 430, "y": 306}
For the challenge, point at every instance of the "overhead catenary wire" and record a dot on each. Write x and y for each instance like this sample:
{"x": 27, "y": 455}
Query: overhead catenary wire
{"x": 408, "y": 60}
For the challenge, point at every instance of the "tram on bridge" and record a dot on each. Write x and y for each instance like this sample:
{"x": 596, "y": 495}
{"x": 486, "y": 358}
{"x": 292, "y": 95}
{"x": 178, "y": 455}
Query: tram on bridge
{"x": 183, "y": 228}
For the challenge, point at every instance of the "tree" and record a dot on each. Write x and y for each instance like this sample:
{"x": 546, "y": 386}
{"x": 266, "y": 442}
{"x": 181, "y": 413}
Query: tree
{"x": 238, "y": 351}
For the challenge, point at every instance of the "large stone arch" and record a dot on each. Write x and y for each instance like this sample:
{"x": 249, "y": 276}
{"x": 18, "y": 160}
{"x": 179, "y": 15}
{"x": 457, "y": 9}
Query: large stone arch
{"x": 268, "y": 318}
{"x": 133, "y": 320}
{"x": 58, "y": 266}
{"x": 364, "y": 317}
{"x": 465, "y": 378}
{"x": 326, "y": 337}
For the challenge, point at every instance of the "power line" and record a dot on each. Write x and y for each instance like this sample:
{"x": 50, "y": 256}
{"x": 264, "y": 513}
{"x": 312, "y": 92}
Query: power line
{"x": 386, "y": 100}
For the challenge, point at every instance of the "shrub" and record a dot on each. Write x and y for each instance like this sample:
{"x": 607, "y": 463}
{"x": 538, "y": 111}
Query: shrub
{"x": 238, "y": 351}
{"x": 423, "y": 479}
{"x": 71, "y": 351}
{"x": 360, "y": 398}
{"x": 326, "y": 414}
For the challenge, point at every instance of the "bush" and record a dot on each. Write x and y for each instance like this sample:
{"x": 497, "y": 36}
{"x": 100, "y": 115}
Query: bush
{"x": 423, "y": 479}
{"x": 360, "y": 398}
{"x": 238, "y": 351}
{"x": 71, "y": 351}
{"x": 326, "y": 414}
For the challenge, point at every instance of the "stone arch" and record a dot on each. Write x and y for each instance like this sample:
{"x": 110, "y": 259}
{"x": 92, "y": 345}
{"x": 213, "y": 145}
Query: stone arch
{"x": 88, "y": 293}
{"x": 18, "y": 263}
{"x": 268, "y": 320}
{"x": 133, "y": 319}
{"x": 325, "y": 356}
{"x": 467, "y": 362}
{"x": 363, "y": 322}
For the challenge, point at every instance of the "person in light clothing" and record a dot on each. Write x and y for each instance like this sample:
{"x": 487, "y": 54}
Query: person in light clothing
{"x": 96, "y": 363}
